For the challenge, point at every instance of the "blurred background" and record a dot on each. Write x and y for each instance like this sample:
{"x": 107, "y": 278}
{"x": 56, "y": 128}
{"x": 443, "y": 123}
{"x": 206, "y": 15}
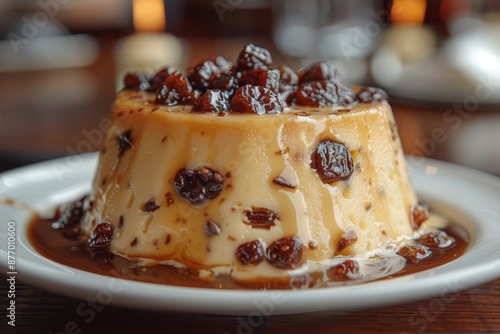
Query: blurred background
{"x": 62, "y": 61}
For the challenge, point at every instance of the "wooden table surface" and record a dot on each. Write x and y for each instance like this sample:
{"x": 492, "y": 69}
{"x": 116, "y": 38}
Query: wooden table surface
{"x": 475, "y": 310}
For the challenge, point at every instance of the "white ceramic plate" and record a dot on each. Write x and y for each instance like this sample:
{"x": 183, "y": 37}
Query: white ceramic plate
{"x": 470, "y": 198}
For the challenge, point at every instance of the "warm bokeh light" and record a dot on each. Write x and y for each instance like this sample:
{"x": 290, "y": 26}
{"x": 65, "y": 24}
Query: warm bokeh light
{"x": 408, "y": 11}
{"x": 149, "y": 15}
{"x": 451, "y": 8}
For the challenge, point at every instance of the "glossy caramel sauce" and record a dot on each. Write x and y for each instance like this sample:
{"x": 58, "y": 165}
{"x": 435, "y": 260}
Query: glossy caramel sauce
{"x": 64, "y": 247}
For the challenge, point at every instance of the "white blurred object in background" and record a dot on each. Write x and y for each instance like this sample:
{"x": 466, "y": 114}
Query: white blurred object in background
{"x": 150, "y": 48}
{"x": 346, "y": 32}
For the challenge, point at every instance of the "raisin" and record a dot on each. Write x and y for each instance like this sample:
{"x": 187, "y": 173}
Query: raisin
{"x": 283, "y": 182}
{"x": 70, "y": 214}
{"x": 288, "y": 76}
{"x": 252, "y": 252}
{"x": 199, "y": 76}
{"x": 212, "y": 100}
{"x": 419, "y": 215}
{"x": 348, "y": 238}
{"x": 285, "y": 253}
{"x": 124, "y": 142}
{"x": 415, "y": 253}
{"x": 225, "y": 82}
{"x": 347, "y": 270}
{"x": 261, "y": 218}
{"x": 146, "y": 81}
{"x": 324, "y": 93}
{"x": 371, "y": 94}
{"x": 150, "y": 206}
{"x": 189, "y": 186}
{"x": 332, "y": 161}
{"x": 175, "y": 89}
{"x": 212, "y": 228}
{"x": 253, "y": 57}
{"x": 101, "y": 235}
{"x": 438, "y": 239}
{"x": 223, "y": 64}
{"x": 324, "y": 70}
{"x": 260, "y": 77}
{"x": 288, "y": 84}
{"x": 158, "y": 78}
{"x": 137, "y": 80}
{"x": 199, "y": 185}
{"x": 287, "y": 94}
{"x": 256, "y": 99}
{"x": 212, "y": 182}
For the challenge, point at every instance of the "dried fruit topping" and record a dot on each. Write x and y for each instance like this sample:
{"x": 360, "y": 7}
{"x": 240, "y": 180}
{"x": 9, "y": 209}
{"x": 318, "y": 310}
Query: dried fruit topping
{"x": 261, "y": 218}
{"x": 150, "y": 206}
{"x": 419, "y": 214}
{"x": 438, "y": 239}
{"x": 347, "y": 270}
{"x": 283, "y": 182}
{"x": 324, "y": 93}
{"x": 288, "y": 76}
{"x": 137, "y": 80}
{"x": 414, "y": 253}
{"x": 199, "y": 185}
{"x": 323, "y": 70}
{"x": 101, "y": 235}
{"x": 252, "y": 252}
{"x": 348, "y": 238}
{"x": 256, "y": 99}
{"x": 212, "y": 228}
{"x": 285, "y": 253}
{"x": 289, "y": 81}
{"x": 371, "y": 94}
{"x": 200, "y": 75}
{"x": 158, "y": 78}
{"x": 145, "y": 81}
{"x": 332, "y": 161}
{"x": 70, "y": 214}
{"x": 212, "y": 100}
{"x": 316, "y": 85}
{"x": 225, "y": 81}
{"x": 253, "y": 57}
{"x": 287, "y": 94}
{"x": 124, "y": 142}
{"x": 175, "y": 89}
{"x": 260, "y": 77}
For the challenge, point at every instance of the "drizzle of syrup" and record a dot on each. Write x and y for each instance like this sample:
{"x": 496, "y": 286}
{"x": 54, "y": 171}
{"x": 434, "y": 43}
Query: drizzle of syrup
{"x": 56, "y": 246}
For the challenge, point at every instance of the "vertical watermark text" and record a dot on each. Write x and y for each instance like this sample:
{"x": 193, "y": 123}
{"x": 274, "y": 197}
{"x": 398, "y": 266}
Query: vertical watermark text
{"x": 11, "y": 273}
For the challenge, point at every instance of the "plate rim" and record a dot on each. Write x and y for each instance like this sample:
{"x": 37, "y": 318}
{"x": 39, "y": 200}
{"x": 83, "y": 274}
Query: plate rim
{"x": 238, "y": 302}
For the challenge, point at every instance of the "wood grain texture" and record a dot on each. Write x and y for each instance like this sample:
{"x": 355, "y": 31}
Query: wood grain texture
{"x": 475, "y": 310}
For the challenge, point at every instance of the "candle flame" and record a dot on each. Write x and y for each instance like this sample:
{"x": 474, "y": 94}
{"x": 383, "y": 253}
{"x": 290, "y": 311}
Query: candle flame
{"x": 408, "y": 11}
{"x": 149, "y": 15}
